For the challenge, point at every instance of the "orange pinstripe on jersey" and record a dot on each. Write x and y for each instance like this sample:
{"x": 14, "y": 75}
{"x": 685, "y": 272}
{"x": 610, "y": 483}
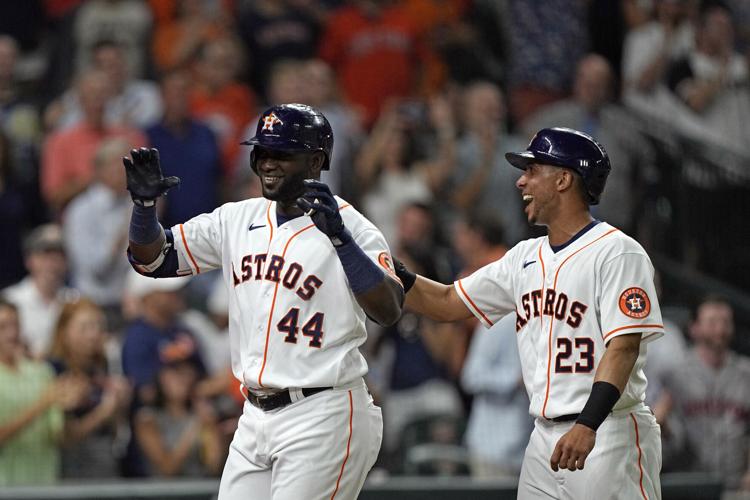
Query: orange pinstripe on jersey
{"x": 552, "y": 318}
{"x": 630, "y": 327}
{"x": 640, "y": 454}
{"x": 270, "y": 225}
{"x": 273, "y": 305}
{"x": 486, "y": 319}
{"x": 187, "y": 249}
{"x": 276, "y": 288}
{"x": 348, "y": 444}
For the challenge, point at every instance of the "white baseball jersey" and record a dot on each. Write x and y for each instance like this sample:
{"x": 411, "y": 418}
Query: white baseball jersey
{"x": 293, "y": 320}
{"x": 568, "y": 304}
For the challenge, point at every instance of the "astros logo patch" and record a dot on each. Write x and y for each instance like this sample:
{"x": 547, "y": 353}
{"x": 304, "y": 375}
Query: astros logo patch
{"x": 269, "y": 121}
{"x": 634, "y": 302}
{"x": 385, "y": 260}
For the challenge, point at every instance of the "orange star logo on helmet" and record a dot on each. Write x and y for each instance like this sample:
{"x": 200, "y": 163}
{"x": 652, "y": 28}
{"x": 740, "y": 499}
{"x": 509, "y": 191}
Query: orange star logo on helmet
{"x": 269, "y": 121}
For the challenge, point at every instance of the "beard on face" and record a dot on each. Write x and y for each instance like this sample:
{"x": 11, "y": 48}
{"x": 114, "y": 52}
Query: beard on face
{"x": 291, "y": 188}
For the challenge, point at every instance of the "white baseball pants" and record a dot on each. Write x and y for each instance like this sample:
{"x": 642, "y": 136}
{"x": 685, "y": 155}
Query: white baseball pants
{"x": 320, "y": 447}
{"x": 624, "y": 464}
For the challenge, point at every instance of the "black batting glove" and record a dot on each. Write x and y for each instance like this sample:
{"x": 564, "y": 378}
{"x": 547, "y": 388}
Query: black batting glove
{"x": 407, "y": 277}
{"x": 319, "y": 203}
{"x": 145, "y": 180}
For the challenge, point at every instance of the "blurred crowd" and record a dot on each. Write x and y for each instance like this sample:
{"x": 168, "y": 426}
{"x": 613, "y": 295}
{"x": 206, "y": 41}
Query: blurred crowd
{"x": 104, "y": 373}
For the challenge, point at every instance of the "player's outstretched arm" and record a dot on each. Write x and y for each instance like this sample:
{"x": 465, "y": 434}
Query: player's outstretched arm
{"x": 146, "y": 183}
{"x": 430, "y": 298}
{"x": 379, "y": 295}
{"x": 612, "y": 375}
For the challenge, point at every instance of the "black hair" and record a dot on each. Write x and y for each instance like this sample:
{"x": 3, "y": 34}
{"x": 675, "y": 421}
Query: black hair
{"x": 105, "y": 43}
{"x": 488, "y": 225}
{"x": 707, "y": 6}
{"x": 713, "y": 298}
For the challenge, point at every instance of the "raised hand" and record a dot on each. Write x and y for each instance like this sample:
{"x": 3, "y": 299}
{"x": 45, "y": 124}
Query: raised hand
{"x": 319, "y": 203}
{"x": 145, "y": 180}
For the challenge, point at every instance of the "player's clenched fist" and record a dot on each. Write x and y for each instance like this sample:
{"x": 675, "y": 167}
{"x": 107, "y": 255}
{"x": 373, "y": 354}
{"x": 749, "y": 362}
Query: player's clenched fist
{"x": 319, "y": 203}
{"x": 145, "y": 180}
{"x": 573, "y": 448}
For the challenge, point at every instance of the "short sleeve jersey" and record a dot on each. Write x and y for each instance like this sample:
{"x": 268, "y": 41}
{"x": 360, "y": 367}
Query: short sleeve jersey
{"x": 293, "y": 320}
{"x": 568, "y": 305}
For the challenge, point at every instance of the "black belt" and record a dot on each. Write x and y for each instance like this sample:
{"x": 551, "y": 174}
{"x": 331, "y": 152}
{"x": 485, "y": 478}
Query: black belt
{"x": 280, "y": 399}
{"x": 565, "y": 418}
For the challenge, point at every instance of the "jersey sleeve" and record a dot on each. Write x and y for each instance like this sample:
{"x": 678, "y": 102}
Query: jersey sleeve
{"x": 373, "y": 244}
{"x": 628, "y": 301}
{"x": 198, "y": 243}
{"x": 488, "y": 292}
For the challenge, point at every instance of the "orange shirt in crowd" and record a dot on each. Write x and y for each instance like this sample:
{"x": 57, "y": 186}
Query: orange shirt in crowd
{"x": 175, "y": 42}
{"x": 227, "y": 112}
{"x": 374, "y": 58}
{"x": 427, "y": 15}
{"x": 68, "y": 159}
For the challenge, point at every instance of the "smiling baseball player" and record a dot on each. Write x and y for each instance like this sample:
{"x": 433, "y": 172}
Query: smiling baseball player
{"x": 303, "y": 270}
{"x": 584, "y": 302}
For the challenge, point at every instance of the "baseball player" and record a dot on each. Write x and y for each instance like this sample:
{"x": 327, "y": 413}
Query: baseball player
{"x": 303, "y": 269}
{"x": 584, "y": 304}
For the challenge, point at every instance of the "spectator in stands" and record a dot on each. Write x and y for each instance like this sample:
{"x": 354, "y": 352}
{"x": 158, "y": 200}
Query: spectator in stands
{"x": 481, "y": 180}
{"x": 129, "y": 21}
{"x": 31, "y": 418}
{"x": 546, "y": 40}
{"x": 741, "y": 14}
{"x": 591, "y": 110}
{"x": 41, "y": 295}
{"x": 156, "y": 334}
{"x": 650, "y": 48}
{"x": 374, "y": 50}
{"x": 275, "y": 30}
{"x": 220, "y": 99}
{"x": 499, "y": 423}
{"x": 391, "y": 170}
{"x": 188, "y": 150}
{"x": 98, "y": 269}
{"x": 284, "y": 85}
{"x": 67, "y": 157}
{"x": 418, "y": 384}
{"x": 96, "y": 428}
{"x": 709, "y": 392}
{"x": 19, "y": 118}
{"x": 20, "y": 210}
{"x": 133, "y": 102}
{"x": 470, "y": 39}
{"x": 177, "y": 39}
{"x": 713, "y": 80}
{"x": 319, "y": 85}
{"x": 211, "y": 330}
{"x": 178, "y": 433}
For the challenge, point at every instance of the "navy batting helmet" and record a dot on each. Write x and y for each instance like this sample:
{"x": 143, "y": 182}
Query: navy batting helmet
{"x": 294, "y": 128}
{"x": 565, "y": 147}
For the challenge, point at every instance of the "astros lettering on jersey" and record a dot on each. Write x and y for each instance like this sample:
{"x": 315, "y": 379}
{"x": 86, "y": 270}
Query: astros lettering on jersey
{"x": 294, "y": 321}
{"x": 568, "y": 304}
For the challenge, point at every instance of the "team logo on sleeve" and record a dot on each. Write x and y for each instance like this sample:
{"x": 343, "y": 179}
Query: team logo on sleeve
{"x": 634, "y": 303}
{"x": 385, "y": 260}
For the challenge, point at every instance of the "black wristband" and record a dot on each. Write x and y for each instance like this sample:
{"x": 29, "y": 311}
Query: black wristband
{"x": 407, "y": 277}
{"x": 601, "y": 401}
